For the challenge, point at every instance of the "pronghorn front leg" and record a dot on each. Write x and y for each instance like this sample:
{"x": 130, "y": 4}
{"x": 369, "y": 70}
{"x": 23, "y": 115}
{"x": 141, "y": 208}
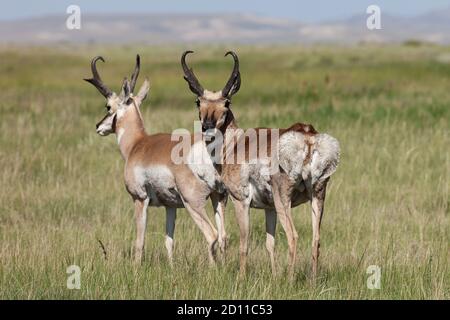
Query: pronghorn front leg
{"x": 140, "y": 207}
{"x": 171, "y": 215}
{"x": 317, "y": 204}
{"x": 219, "y": 202}
{"x": 242, "y": 215}
{"x": 198, "y": 213}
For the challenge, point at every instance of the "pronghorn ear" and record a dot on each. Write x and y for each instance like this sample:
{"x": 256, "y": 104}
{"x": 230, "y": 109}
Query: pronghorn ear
{"x": 126, "y": 91}
{"x": 143, "y": 91}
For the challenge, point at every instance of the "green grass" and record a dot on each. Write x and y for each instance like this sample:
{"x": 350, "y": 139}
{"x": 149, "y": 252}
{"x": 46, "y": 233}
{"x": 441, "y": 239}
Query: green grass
{"x": 387, "y": 205}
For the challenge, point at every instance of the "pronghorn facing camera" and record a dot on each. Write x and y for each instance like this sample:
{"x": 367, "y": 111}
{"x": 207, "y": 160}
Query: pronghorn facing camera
{"x": 151, "y": 177}
{"x": 299, "y": 172}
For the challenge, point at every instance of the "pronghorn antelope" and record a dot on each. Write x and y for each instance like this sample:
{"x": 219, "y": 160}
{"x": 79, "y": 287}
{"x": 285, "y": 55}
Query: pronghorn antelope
{"x": 305, "y": 161}
{"x": 151, "y": 177}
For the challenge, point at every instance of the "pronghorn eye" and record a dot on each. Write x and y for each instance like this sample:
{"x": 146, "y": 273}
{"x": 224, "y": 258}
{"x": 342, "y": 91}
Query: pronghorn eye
{"x": 227, "y": 103}
{"x": 197, "y": 102}
{"x": 108, "y": 108}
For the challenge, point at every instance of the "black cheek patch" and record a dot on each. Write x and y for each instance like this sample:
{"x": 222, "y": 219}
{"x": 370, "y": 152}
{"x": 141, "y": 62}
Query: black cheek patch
{"x": 101, "y": 121}
{"x": 114, "y": 123}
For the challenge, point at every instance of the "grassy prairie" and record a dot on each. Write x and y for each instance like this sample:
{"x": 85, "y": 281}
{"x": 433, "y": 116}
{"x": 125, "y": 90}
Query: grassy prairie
{"x": 387, "y": 204}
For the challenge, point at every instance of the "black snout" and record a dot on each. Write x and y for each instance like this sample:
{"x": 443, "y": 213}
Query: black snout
{"x": 100, "y": 122}
{"x": 207, "y": 125}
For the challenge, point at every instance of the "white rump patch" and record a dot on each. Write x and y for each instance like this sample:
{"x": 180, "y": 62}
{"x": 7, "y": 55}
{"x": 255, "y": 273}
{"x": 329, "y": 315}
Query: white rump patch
{"x": 292, "y": 152}
{"x": 325, "y": 158}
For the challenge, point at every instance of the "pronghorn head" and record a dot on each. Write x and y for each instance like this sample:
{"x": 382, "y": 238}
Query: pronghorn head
{"x": 117, "y": 104}
{"x": 213, "y": 106}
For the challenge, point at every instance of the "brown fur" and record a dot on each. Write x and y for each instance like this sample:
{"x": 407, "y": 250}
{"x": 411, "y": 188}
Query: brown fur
{"x": 284, "y": 193}
{"x": 303, "y": 128}
{"x": 248, "y": 184}
{"x": 142, "y": 150}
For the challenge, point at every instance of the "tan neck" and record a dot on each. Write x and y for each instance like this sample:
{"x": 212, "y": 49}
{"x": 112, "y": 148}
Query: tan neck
{"x": 228, "y": 131}
{"x": 230, "y": 123}
{"x": 129, "y": 130}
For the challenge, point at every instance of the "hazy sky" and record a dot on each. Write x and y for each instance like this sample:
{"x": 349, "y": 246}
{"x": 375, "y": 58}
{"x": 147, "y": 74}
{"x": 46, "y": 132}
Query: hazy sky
{"x": 307, "y": 11}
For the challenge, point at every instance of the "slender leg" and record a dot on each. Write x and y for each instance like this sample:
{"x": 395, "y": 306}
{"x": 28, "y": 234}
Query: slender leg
{"x": 317, "y": 204}
{"x": 219, "y": 203}
{"x": 285, "y": 217}
{"x": 194, "y": 196}
{"x": 198, "y": 213}
{"x": 171, "y": 214}
{"x": 282, "y": 200}
{"x": 140, "y": 207}
{"x": 271, "y": 224}
{"x": 242, "y": 216}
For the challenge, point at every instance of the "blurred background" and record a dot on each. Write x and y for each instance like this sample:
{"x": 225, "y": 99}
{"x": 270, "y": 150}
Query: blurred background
{"x": 203, "y": 21}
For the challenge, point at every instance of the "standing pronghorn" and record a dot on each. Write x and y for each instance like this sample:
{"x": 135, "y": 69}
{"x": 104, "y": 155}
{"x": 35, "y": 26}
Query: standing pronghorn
{"x": 305, "y": 161}
{"x": 151, "y": 177}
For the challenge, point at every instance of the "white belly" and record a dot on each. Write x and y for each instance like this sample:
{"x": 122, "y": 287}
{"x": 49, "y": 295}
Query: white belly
{"x": 159, "y": 184}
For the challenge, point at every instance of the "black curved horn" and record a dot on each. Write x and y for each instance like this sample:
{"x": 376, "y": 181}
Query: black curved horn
{"x": 190, "y": 77}
{"x": 96, "y": 81}
{"x": 234, "y": 83}
{"x": 135, "y": 74}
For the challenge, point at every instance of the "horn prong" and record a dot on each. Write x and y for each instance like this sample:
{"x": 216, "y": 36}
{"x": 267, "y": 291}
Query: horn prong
{"x": 234, "y": 82}
{"x": 190, "y": 77}
{"x": 96, "y": 80}
{"x": 135, "y": 74}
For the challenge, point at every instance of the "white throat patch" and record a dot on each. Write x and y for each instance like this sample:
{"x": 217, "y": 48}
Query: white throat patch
{"x": 120, "y": 135}
{"x": 121, "y": 112}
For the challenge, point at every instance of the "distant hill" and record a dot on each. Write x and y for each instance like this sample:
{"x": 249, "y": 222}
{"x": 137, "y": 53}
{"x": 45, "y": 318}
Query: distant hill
{"x": 239, "y": 28}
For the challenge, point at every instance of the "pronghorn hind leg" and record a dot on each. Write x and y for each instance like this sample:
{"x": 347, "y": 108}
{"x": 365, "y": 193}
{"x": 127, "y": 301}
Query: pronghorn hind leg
{"x": 282, "y": 199}
{"x": 317, "y": 205}
{"x": 219, "y": 202}
{"x": 171, "y": 214}
{"x": 271, "y": 224}
{"x": 140, "y": 208}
